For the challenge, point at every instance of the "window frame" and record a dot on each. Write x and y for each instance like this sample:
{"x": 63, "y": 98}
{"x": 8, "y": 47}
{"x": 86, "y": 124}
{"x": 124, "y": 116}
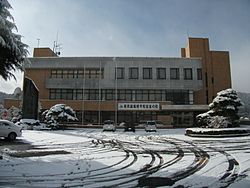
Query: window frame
{"x": 188, "y": 75}
{"x": 131, "y": 76}
{"x": 159, "y": 76}
{"x": 199, "y": 74}
{"x": 119, "y": 75}
{"x": 147, "y": 76}
{"x": 177, "y": 74}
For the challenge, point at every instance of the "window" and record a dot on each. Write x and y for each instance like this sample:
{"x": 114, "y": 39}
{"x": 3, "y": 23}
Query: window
{"x": 119, "y": 73}
{"x": 92, "y": 73}
{"x": 70, "y": 73}
{"x": 147, "y": 73}
{"x": 133, "y": 73}
{"x": 52, "y": 94}
{"x": 121, "y": 95}
{"x": 138, "y": 95}
{"x": 53, "y": 73}
{"x": 59, "y": 73}
{"x": 188, "y": 75}
{"x": 145, "y": 95}
{"x": 110, "y": 94}
{"x": 174, "y": 74}
{"x": 93, "y": 94}
{"x": 128, "y": 95}
{"x": 79, "y": 94}
{"x": 161, "y": 73}
{"x": 64, "y": 73}
{"x": 199, "y": 74}
{"x": 80, "y": 74}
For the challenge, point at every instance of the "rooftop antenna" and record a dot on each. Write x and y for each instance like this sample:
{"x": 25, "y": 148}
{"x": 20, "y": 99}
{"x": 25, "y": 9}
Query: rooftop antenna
{"x": 57, "y": 47}
{"x": 188, "y": 33}
{"x": 38, "y": 42}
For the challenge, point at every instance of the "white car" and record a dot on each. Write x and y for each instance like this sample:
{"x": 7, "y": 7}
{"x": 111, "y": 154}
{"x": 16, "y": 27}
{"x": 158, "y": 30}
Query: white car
{"x": 109, "y": 126}
{"x": 9, "y": 130}
{"x": 150, "y": 126}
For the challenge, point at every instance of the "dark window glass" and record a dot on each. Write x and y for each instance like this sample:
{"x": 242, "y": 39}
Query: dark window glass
{"x": 69, "y": 94}
{"x": 174, "y": 74}
{"x": 161, "y": 73}
{"x": 133, "y": 73}
{"x": 152, "y": 95}
{"x": 58, "y": 94}
{"x": 79, "y": 94}
{"x": 188, "y": 74}
{"x": 145, "y": 95}
{"x": 93, "y": 94}
{"x": 110, "y": 94}
{"x": 120, "y": 73}
{"x": 138, "y": 95}
{"x": 158, "y": 95}
{"x": 52, "y": 94}
{"x": 121, "y": 95}
{"x": 199, "y": 74}
{"x": 147, "y": 73}
{"x": 64, "y": 94}
{"x": 128, "y": 95}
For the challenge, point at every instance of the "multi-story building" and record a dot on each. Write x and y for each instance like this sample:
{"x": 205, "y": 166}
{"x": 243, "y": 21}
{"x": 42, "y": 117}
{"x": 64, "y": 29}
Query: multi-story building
{"x": 171, "y": 90}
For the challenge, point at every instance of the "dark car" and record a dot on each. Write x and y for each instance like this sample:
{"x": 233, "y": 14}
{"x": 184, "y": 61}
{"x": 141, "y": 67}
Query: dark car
{"x": 129, "y": 127}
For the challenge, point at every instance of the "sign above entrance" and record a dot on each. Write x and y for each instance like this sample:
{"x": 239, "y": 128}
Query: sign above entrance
{"x": 138, "y": 106}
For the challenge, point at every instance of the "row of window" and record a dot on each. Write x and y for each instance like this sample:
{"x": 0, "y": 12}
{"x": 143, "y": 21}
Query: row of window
{"x": 81, "y": 73}
{"x": 161, "y": 73}
{"x": 176, "y": 96}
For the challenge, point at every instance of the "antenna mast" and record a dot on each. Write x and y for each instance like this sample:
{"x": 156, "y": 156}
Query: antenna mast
{"x": 57, "y": 47}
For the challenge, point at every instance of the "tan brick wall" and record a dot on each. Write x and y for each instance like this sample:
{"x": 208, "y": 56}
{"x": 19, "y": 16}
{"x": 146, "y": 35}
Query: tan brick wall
{"x": 43, "y": 52}
{"x": 214, "y": 63}
{"x": 11, "y": 102}
{"x": 39, "y": 78}
{"x": 221, "y": 71}
{"x": 166, "y": 120}
{"x": 88, "y": 105}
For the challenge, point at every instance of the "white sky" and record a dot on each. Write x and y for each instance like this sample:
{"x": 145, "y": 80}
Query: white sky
{"x": 136, "y": 28}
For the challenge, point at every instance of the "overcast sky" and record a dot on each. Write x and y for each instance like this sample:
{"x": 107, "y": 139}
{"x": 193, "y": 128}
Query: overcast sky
{"x": 136, "y": 28}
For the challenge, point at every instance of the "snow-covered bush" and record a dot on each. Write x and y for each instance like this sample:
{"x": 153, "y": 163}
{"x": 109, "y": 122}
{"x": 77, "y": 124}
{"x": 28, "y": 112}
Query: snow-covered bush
{"x": 14, "y": 112}
{"x": 223, "y": 111}
{"x": 59, "y": 113}
{"x": 10, "y": 113}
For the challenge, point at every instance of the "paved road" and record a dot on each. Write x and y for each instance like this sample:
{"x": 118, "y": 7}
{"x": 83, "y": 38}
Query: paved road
{"x": 125, "y": 160}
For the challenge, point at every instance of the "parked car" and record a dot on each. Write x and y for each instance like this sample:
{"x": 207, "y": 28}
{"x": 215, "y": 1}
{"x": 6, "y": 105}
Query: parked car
{"x": 9, "y": 130}
{"x": 129, "y": 127}
{"x": 150, "y": 126}
{"x": 109, "y": 125}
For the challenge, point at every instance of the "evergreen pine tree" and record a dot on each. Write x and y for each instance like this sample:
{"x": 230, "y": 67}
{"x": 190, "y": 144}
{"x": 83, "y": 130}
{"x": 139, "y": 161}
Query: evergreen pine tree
{"x": 223, "y": 111}
{"x": 12, "y": 50}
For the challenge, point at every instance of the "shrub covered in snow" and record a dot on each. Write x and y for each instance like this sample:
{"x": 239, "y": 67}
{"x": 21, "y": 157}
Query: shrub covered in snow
{"x": 10, "y": 113}
{"x": 59, "y": 113}
{"x": 223, "y": 111}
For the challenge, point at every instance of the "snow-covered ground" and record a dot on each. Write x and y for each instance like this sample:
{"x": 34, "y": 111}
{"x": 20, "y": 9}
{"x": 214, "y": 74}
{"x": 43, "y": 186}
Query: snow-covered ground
{"x": 92, "y": 158}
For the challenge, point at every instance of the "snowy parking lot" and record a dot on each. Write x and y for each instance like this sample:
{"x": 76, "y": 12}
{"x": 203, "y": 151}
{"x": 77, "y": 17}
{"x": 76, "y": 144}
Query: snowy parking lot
{"x": 92, "y": 158}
